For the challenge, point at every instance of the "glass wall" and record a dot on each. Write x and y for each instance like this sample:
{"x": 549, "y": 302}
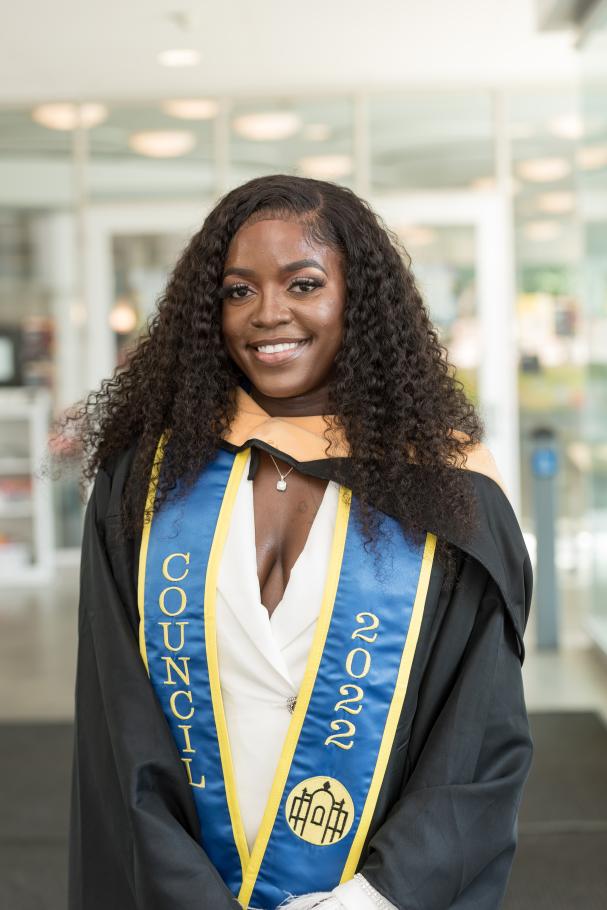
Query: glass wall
{"x": 435, "y": 140}
{"x": 545, "y": 130}
{"x": 150, "y": 152}
{"x": 592, "y": 194}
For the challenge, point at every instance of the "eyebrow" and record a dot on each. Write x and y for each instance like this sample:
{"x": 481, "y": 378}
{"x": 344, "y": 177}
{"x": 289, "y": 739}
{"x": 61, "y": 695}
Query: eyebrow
{"x": 289, "y": 267}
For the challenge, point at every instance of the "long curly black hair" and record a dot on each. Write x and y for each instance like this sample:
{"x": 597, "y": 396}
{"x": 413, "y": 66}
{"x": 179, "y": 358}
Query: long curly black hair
{"x": 393, "y": 390}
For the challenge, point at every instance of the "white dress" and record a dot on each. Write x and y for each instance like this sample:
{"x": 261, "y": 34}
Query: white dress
{"x": 262, "y": 658}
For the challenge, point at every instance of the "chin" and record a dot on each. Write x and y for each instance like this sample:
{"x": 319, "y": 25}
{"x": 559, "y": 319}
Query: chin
{"x": 285, "y": 388}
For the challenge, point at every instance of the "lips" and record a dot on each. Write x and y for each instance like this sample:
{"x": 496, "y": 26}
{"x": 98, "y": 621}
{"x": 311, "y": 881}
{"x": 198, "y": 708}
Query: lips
{"x": 278, "y": 357}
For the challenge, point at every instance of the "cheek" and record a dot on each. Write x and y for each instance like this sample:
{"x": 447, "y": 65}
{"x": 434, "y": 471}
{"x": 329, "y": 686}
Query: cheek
{"x": 229, "y": 328}
{"x": 328, "y": 322}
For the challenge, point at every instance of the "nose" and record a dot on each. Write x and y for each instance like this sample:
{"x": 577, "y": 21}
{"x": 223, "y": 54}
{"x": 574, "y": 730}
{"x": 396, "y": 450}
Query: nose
{"x": 271, "y": 310}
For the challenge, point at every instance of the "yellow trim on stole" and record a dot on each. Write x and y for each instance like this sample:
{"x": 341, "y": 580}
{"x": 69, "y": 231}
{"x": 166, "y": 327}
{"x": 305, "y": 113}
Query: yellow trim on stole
{"x": 303, "y": 698}
{"x": 143, "y": 550}
{"x": 210, "y": 635}
{"x": 394, "y": 712}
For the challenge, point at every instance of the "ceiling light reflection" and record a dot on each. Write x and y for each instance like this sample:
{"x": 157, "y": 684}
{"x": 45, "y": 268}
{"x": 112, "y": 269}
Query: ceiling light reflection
{"x": 65, "y": 116}
{"x": 191, "y": 108}
{"x": 266, "y": 126}
{"x": 162, "y": 143}
{"x": 179, "y": 56}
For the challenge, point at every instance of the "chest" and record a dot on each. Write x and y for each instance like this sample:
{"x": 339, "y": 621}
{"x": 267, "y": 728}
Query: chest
{"x": 283, "y": 520}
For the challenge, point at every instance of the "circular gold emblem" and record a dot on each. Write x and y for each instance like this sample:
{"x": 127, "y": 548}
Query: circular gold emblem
{"x": 319, "y": 810}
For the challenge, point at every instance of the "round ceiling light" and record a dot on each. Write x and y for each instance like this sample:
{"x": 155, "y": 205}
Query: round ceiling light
{"x": 567, "y": 126}
{"x": 325, "y": 167}
{"x": 267, "y": 126}
{"x": 316, "y": 132}
{"x": 191, "y": 108}
{"x": 542, "y": 231}
{"x": 556, "y": 203}
{"x": 179, "y": 56}
{"x": 592, "y": 157}
{"x": 65, "y": 116}
{"x": 544, "y": 170}
{"x": 162, "y": 143}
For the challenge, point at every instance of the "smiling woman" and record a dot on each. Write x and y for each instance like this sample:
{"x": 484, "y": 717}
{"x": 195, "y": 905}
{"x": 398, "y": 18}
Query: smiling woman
{"x": 297, "y": 305}
{"x": 303, "y": 590}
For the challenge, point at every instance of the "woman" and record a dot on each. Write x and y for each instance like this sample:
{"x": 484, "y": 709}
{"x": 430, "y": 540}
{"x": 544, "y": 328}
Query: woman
{"x": 303, "y": 589}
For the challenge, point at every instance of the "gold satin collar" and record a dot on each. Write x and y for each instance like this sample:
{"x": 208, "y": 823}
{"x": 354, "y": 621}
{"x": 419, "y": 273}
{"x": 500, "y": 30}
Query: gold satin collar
{"x": 300, "y": 437}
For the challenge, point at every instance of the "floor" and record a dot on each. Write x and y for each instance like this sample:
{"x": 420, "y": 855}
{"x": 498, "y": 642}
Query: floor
{"x": 38, "y": 642}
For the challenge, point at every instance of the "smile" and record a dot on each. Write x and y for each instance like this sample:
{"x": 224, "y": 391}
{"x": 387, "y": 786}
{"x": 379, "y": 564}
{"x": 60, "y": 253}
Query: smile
{"x": 278, "y": 353}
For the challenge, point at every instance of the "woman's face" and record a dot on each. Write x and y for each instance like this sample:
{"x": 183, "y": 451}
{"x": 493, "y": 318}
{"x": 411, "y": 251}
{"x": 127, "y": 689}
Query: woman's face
{"x": 280, "y": 290}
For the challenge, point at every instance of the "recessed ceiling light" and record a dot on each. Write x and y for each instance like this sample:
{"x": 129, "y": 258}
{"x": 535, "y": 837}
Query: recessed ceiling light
{"x": 162, "y": 143}
{"x": 316, "y": 132}
{"x": 567, "y": 126}
{"x": 64, "y": 116}
{"x": 592, "y": 157}
{"x": 483, "y": 183}
{"x": 541, "y": 231}
{"x": 191, "y": 108}
{"x": 490, "y": 183}
{"x": 179, "y": 56}
{"x": 325, "y": 167}
{"x": 267, "y": 126}
{"x": 544, "y": 170}
{"x": 555, "y": 203}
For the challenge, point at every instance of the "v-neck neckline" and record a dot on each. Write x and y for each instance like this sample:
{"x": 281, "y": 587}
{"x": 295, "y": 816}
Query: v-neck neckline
{"x": 302, "y": 555}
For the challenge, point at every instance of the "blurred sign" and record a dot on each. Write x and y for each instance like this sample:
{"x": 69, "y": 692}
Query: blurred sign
{"x": 544, "y": 462}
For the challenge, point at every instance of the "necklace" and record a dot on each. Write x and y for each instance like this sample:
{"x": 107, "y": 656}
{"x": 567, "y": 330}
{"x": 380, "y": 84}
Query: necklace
{"x": 282, "y": 483}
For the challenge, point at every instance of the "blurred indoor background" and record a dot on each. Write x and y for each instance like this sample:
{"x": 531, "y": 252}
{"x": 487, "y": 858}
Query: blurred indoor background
{"x": 478, "y": 130}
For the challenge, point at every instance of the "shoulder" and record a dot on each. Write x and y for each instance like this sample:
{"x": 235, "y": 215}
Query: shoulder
{"x": 479, "y": 458}
{"x": 112, "y": 476}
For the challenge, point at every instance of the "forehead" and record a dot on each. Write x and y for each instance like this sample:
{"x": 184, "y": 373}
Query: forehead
{"x": 273, "y": 241}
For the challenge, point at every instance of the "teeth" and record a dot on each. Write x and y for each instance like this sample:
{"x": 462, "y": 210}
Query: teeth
{"x": 273, "y": 348}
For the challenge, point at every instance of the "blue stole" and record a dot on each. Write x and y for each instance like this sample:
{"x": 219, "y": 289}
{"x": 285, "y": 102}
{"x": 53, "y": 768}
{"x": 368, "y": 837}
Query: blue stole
{"x": 342, "y": 729}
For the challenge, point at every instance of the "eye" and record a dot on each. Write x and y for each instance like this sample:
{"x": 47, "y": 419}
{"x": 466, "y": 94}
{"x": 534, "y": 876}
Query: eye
{"x": 238, "y": 290}
{"x": 228, "y": 291}
{"x": 310, "y": 283}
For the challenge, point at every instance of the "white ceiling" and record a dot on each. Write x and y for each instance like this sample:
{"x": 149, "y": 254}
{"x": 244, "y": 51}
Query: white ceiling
{"x": 106, "y": 49}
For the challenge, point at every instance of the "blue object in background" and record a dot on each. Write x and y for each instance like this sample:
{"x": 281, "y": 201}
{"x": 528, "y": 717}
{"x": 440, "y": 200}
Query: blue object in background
{"x": 544, "y": 470}
{"x": 544, "y": 462}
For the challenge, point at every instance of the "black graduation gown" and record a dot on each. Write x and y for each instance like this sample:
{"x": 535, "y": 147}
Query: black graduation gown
{"x": 444, "y": 832}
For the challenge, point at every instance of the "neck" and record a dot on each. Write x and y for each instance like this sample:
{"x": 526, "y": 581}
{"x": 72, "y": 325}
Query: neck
{"x": 309, "y": 404}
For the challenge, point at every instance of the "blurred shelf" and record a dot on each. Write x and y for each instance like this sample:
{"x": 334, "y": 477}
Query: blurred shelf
{"x": 24, "y": 421}
{"x": 14, "y": 464}
{"x": 16, "y": 510}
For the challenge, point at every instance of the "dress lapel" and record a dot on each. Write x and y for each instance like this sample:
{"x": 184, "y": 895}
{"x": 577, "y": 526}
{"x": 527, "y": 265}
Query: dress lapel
{"x": 300, "y": 605}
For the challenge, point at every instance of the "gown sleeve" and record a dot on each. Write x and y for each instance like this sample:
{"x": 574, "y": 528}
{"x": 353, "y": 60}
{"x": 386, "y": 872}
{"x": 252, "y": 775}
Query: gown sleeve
{"x": 449, "y": 839}
{"x": 133, "y": 838}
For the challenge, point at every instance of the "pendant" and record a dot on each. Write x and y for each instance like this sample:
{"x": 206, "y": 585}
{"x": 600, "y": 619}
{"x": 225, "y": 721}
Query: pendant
{"x": 281, "y": 484}
{"x": 291, "y": 702}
